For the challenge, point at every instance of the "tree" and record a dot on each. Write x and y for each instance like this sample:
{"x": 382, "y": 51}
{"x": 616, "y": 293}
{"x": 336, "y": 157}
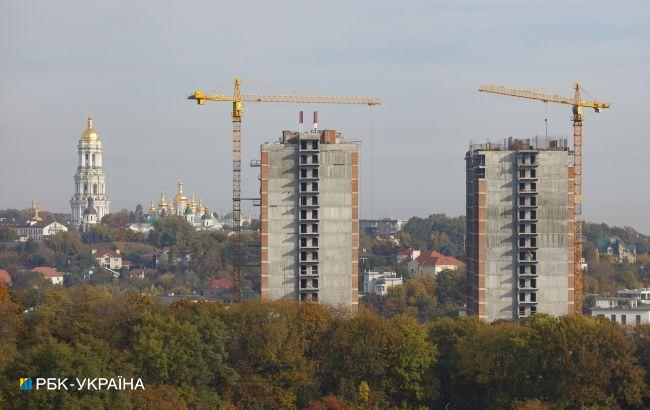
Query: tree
{"x": 7, "y": 234}
{"x": 119, "y": 220}
{"x": 450, "y": 288}
{"x": 171, "y": 231}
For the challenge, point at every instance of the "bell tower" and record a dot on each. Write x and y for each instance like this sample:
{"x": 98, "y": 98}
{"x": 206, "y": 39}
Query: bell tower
{"x": 90, "y": 180}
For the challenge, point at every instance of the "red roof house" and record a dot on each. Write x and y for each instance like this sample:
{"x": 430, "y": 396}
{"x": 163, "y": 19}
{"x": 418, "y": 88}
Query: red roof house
{"x": 5, "y": 277}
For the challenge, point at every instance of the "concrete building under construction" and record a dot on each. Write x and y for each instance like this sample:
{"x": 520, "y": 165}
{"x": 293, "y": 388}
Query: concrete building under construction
{"x": 310, "y": 218}
{"x": 520, "y": 228}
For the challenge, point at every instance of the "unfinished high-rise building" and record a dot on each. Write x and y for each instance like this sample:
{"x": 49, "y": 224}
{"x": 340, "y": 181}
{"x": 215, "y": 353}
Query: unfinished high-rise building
{"x": 520, "y": 228}
{"x": 310, "y": 218}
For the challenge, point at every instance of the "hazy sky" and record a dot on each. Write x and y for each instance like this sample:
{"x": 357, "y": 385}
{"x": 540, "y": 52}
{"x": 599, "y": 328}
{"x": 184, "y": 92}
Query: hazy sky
{"x": 132, "y": 63}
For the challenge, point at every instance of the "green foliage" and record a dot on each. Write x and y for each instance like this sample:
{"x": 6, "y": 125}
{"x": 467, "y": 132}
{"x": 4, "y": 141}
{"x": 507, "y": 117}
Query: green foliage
{"x": 171, "y": 231}
{"x": 438, "y": 232}
{"x": 7, "y": 234}
{"x": 261, "y": 354}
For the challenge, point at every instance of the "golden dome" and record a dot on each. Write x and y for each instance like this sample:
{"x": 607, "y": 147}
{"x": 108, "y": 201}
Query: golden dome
{"x": 180, "y": 197}
{"x": 90, "y": 134}
{"x": 162, "y": 202}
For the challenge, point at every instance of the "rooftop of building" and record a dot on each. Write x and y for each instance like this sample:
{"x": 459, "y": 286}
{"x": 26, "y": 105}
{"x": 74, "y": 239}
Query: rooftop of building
{"x": 5, "y": 277}
{"x": 537, "y": 143}
{"x": 638, "y": 308}
{"x": 433, "y": 258}
{"x": 47, "y": 271}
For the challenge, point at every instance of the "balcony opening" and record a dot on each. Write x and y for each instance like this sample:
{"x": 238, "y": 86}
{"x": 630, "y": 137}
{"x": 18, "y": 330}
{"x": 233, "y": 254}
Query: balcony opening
{"x": 522, "y": 297}
{"x": 314, "y": 145}
{"x": 533, "y": 297}
{"x": 533, "y": 201}
{"x": 303, "y": 144}
{"x": 303, "y": 186}
{"x": 533, "y": 228}
{"x": 314, "y": 270}
{"x": 314, "y": 200}
{"x": 533, "y": 269}
{"x": 303, "y": 173}
{"x": 303, "y": 296}
{"x": 314, "y": 297}
{"x": 303, "y": 283}
{"x": 522, "y": 283}
{"x": 522, "y": 228}
{"x": 303, "y": 214}
{"x": 522, "y": 173}
{"x": 522, "y": 187}
{"x": 303, "y": 159}
{"x": 314, "y": 186}
{"x": 533, "y": 242}
{"x": 533, "y": 310}
{"x": 314, "y": 173}
{"x": 314, "y": 214}
{"x": 533, "y": 283}
{"x": 533, "y": 214}
{"x": 533, "y": 187}
{"x": 303, "y": 200}
{"x": 522, "y": 201}
{"x": 303, "y": 256}
{"x": 303, "y": 228}
{"x": 303, "y": 269}
{"x": 522, "y": 214}
{"x": 314, "y": 241}
{"x": 522, "y": 310}
{"x": 533, "y": 173}
{"x": 522, "y": 269}
{"x": 303, "y": 242}
{"x": 522, "y": 242}
{"x": 314, "y": 159}
{"x": 314, "y": 256}
{"x": 314, "y": 228}
{"x": 314, "y": 283}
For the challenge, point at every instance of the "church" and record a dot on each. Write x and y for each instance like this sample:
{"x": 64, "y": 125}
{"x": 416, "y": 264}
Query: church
{"x": 195, "y": 213}
{"x": 89, "y": 203}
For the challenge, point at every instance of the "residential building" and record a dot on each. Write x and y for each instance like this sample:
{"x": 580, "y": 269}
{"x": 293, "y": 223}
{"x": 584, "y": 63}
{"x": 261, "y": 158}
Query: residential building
{"x": 89, "y": 203}
{"x": 108, "y": 258}
{"x": 50, "y": 274}
{"x": 624, "y": 315}
{"x": 377, "y": 283}
{"x": 642, "y": 294}
{"x": 36, "y": 229}
{"x": 430, "y": 262}
{"x": 310, "y": 218}
{"x": 520, "y": 228}
{"x": 5, "y": 277}
{"x": 620, "y": 251}
{"x": 384, "y": 226}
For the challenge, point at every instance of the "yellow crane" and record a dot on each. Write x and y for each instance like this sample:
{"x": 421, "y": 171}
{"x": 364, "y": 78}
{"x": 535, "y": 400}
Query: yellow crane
{"x": 238, "y": 99}
{"x": 577, "y": 103}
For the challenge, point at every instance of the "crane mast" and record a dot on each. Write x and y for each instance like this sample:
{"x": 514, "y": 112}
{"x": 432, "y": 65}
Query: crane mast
{"x": 577, "y": 104}
{"x": 238, "y": 99}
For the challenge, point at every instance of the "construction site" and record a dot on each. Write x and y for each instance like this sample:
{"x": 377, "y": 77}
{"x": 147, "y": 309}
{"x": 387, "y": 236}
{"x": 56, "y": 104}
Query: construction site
{"x": 523, "y": 245}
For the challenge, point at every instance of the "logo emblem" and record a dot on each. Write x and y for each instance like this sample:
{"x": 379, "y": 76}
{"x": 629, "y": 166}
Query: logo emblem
{"x": 25, "y": 383}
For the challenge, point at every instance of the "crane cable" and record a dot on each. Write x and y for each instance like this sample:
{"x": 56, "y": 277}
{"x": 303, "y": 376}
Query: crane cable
{"x": 372, "y": 163}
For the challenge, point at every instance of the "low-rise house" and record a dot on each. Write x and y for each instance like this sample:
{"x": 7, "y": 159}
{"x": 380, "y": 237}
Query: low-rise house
{"x": 108, "y": 258}
{"x": 624, "y": 315}
{"x": 141, "y": 227}
{"x": 384, "y": 226}
{"x": 377, "y": 283}
{"x": 50, "y": 274}
{"x": 39, "y": 231}
{"x": 5, "y": 277}
{"x": 432, "y": 263}
{"x": 619, "y": 250}
{"x": 642, "y": 294}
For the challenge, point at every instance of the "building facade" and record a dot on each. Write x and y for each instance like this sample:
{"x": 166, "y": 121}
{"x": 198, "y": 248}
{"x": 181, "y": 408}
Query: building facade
{"x": 310, "y": 218}
{"x": 520, "y": 231}
{"x": 90, "y": 180}
{"x": 377, "y": 283}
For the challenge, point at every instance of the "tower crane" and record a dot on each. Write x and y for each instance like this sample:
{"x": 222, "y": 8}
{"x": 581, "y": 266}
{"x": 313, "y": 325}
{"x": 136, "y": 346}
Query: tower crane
{"x": 577, "y": 103}
{"x": 237, "y": 99}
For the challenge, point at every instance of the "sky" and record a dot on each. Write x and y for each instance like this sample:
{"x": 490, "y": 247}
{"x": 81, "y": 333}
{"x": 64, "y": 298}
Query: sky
{"x": 132, "y": 64}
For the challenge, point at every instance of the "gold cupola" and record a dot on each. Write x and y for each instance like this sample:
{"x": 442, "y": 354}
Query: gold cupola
{"x": 180, "y": 197}
{"x": 90, "y": 134}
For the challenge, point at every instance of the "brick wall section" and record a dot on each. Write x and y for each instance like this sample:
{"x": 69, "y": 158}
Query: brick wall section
{"x": 355, "y": 230}
{"x": 570, "y": 240}
{"x": 264, "y": 222}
